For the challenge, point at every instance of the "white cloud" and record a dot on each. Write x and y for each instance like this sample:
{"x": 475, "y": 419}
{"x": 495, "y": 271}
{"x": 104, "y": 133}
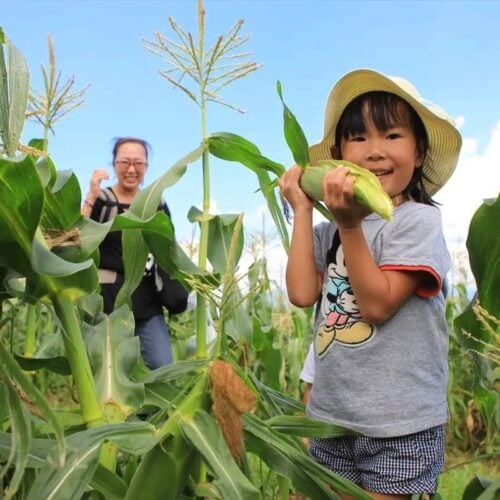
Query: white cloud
{"x": 476, "y": 178}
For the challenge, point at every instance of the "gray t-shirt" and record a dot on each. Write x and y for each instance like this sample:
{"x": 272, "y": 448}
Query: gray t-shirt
{"x": 390, "y": 379}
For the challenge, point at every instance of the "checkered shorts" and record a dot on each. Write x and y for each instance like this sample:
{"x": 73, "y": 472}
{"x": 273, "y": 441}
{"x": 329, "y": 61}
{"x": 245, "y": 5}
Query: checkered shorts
{"x": 402, "y": 465}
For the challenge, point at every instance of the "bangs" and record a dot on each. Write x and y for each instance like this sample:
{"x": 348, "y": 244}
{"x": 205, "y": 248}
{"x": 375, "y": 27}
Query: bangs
{"x": 384, "y": 109}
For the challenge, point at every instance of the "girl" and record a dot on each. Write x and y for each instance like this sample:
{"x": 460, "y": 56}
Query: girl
{"x": 380, "y": 329}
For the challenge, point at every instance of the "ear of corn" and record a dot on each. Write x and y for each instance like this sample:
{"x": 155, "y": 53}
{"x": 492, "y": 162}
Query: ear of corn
{"x": 367, "y": 188}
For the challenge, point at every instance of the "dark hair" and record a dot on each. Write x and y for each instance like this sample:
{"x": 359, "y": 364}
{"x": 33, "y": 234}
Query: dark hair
{"x": 386, "y": 110}
{"x": 124, "y": 140}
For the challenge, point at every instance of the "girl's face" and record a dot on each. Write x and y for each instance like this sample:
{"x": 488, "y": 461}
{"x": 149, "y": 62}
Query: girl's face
{"x": 391, "y": 154}
{"x": 130, "y": 165}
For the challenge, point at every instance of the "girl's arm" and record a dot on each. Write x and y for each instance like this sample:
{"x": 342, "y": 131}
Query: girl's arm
{"x": 302, "y": 280}
{"x": 379, "y": 294}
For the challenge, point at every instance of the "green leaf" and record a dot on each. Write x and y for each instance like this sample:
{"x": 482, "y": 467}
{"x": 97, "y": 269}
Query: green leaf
{"x": 69, "y": 480}
{"x": 113, "y": 351}
{"x": 173, "y": 372}
{"x": 231, "y": 147}
{"x": 11, "y": 371}
{"x": 288, "y": 459}
{"x": 294, "y": 135}
{"x": 105, "y": 481}
{"x": 20, "y": 434}
{"x": 483, "y": 247}
{"x": 23, "y": 247}
{"x": 14, "y": 91}
{"x": 205, "y": 435}
{"x": 277, "y": 402}
{"x": 2, "y": 35}
{"x": 307, "y": 427}
{"x": 220, "y": 232}
{"x": 58, "y": 364}
{"x": 144, "y": 206}
{"x": 476, "y": 488}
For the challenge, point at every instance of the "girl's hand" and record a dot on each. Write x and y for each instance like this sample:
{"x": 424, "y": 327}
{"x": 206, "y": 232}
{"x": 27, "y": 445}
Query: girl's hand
{"x": 95, "y": 183}
{"x": 338, "y": 194}
{"x": 292, "y": 192}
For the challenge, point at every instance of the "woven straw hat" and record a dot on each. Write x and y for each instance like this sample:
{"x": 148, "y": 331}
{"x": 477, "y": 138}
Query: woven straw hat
{"x": 444, "y": 139}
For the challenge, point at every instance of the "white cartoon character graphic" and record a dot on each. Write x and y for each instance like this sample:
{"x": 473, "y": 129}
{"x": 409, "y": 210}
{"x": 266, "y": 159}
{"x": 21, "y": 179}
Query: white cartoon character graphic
{"x": 341, "y": 321}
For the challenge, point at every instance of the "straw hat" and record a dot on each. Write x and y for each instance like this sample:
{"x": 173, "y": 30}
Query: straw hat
{"x": 444, "y": 139}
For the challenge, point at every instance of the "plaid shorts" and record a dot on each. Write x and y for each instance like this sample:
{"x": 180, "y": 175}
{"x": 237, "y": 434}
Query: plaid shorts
{"x": 402, "y": 465}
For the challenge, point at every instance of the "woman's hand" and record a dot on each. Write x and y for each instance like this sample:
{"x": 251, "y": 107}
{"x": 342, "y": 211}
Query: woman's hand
{"x": 95, "y": 184}
{"x": 338, "y": 195}
{"x": 292, "y": 192}
{"x": 95, "y": 189}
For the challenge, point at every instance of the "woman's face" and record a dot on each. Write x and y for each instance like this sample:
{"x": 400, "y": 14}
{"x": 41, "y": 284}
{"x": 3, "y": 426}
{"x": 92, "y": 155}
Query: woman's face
{"x": 130, "y": 165}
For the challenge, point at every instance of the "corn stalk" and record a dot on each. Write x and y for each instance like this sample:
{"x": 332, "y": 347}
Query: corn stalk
{"x": 208, "y": 71}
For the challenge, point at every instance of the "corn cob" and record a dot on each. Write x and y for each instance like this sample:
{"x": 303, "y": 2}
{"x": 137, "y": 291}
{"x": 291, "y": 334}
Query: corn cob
{"x": 367, "y": 188}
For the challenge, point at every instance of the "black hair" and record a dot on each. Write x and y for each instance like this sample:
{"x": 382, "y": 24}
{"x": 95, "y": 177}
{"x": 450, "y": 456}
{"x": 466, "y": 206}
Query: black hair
{"x": 124, "y": 140}
{"x": 386, "y": 110}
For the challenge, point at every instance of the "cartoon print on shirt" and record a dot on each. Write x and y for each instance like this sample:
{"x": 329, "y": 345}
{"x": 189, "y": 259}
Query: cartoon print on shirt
{"x": 340, "y": 318}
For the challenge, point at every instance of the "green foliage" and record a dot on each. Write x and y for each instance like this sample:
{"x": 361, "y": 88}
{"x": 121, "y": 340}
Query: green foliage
{"x": 98, "y": 445}
{"x": 14, "y": 87}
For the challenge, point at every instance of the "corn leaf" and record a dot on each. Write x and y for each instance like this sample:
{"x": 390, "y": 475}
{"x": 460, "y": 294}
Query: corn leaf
{"x": 483, "y": 247}
{"x": 14, "y": 91}
{"x": 294, "y": 135}
{"x": 286, "y": 458}
{"x": 232, "y": 147}
{"x": 163, "y": 472}
{"x": 20, "y": 436}
{"x": 60, "y": 482}
{"x": 220, "y": 232}
{"x": 57, "y": 364}
{"x": 144, "y": 206}
{"x": 204, "y": 434}
{"x": 10, "y": 371}
{"x": 105, "y": 481}
{"x": 24, "y": 249}
{"x": 276, "y": 402}
{"x": 298, "y": 425}
{"x": 173, "y": 372}
{"x": 480, "y": 488}
{"x": 113, "y": 351}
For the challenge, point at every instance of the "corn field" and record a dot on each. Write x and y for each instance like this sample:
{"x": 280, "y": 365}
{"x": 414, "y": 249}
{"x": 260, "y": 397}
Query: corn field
{"x": 80, "y": 414}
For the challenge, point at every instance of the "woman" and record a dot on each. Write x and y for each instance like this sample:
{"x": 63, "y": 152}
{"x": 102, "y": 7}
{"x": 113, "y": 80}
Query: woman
{"x": 130, "y": 161}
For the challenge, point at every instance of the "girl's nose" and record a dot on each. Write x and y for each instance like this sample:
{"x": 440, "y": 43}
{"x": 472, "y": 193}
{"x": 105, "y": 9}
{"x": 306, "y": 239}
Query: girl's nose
{"x": 375, "y": 150}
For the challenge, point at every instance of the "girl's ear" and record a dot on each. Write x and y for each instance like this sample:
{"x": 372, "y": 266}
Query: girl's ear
{"x": 419, "y": 155}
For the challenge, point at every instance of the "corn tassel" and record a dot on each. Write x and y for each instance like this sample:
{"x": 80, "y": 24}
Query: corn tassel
{"x": 367, "y": 188}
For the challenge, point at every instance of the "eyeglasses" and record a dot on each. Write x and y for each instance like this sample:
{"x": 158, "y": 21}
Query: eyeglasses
{"x": 125, "y": 164}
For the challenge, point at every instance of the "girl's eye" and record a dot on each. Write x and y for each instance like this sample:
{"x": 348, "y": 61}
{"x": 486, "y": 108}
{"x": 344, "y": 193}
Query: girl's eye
{"x": 356, "y": 138}
{"x": 393, "y": 135}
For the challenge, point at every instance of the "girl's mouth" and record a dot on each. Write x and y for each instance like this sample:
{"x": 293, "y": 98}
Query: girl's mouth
{"x": 381, "y": 173}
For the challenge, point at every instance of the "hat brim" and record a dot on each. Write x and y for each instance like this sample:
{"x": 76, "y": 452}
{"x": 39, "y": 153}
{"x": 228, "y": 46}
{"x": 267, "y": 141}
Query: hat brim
{"x": 444, "y": 139}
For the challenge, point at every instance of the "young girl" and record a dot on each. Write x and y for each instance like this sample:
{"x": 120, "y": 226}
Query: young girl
{"x": 380, "y": 330}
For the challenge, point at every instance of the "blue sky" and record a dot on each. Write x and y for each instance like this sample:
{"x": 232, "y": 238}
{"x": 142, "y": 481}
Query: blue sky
{"x": 448, "y": 49}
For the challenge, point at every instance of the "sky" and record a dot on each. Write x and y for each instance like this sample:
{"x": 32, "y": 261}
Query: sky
{"x": 448, "y": 49}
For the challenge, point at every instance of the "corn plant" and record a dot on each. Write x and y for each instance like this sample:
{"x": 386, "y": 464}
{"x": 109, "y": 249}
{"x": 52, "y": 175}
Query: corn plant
{"x": 49, "y": 254}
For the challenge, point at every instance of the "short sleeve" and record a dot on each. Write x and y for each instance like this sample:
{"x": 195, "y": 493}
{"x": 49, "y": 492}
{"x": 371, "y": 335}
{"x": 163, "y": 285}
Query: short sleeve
{"x": 415, "y": 242}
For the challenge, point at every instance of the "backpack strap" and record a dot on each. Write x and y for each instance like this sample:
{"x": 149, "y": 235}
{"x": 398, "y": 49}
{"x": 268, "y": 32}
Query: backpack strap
{"x": 109, "y": 208}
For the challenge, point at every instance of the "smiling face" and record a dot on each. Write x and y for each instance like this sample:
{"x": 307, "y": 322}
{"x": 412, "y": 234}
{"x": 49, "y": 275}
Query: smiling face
{"x": 382, "y": 138}
{"x": 130, "y": 165}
